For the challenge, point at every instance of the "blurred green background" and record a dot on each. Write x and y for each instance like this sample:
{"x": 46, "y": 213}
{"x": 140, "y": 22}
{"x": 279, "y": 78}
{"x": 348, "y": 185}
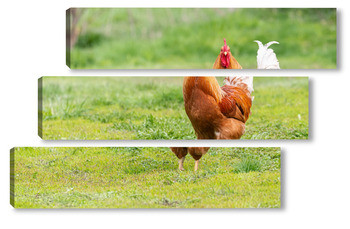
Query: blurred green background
{"x": 150, "y": 38}
{"x": 108, "y": 108}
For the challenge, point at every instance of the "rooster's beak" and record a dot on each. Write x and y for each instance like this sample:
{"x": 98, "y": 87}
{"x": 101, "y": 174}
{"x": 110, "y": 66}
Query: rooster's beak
{"x": 225, "y": 53}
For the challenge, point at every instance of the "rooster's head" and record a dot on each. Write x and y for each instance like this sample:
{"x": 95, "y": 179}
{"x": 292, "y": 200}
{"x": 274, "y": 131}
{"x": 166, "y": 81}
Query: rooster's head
{"x": 225, "y": 55}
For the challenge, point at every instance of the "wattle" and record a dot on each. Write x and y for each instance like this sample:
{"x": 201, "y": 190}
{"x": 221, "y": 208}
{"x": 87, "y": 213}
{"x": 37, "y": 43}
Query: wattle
{"x": 225, "y": 60}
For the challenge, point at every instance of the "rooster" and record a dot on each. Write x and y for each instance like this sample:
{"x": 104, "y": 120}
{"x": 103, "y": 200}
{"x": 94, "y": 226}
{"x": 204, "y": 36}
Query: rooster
{"x": 220, "y": 112}
{"x": 215, "y": 112}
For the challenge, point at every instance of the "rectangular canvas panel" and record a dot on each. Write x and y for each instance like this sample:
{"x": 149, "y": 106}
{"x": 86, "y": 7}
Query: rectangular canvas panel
{"x": 193, "y": 38}
{"x": 143, "y": 108}
{"x": 144, "y": 177}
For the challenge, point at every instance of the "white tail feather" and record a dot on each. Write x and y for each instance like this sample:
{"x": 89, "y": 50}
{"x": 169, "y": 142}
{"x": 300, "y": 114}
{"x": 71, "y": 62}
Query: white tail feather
{"x": 266, "y": 57}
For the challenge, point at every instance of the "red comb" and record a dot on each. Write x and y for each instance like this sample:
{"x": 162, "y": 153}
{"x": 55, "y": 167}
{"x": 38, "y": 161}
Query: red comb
{"x": 225, "y": 55}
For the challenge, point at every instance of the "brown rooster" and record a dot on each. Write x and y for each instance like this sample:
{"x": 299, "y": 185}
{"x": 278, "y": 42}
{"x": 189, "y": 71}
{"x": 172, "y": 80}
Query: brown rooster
{"x": 220, "y": 112}
{"x": 215, "y": 112}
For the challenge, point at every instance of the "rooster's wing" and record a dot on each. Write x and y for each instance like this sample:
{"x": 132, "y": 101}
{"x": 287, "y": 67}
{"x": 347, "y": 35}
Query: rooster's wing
{"x": 236, "y": 103}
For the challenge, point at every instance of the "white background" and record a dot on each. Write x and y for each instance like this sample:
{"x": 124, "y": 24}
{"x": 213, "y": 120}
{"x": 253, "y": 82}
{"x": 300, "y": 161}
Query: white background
{"x": 315, "y": 173}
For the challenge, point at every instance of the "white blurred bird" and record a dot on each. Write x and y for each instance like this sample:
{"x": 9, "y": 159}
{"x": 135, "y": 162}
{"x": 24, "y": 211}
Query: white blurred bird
{"x": 266, "y": 57}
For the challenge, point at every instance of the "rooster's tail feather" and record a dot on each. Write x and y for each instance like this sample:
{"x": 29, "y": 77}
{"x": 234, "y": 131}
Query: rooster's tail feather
{"x": 266, "y": 57}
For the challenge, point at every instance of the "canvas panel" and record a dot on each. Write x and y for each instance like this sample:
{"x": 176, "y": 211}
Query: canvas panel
{"x": 193, "y": 38}
{"x": 144, "y": 177}
{"x": 152, "y": 108}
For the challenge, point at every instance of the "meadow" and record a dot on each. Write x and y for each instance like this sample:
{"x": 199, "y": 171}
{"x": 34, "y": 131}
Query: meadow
{"x": 192, "y": 38}
{"x": 118, "y": 177}
{"x": 108, "y": 108}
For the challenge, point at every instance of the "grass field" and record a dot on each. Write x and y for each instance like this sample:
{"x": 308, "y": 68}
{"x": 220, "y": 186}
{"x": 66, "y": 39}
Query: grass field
{"x": 80, "y": 177}
{"x": 192, "y": 38}
{"x": 108, "y": 108}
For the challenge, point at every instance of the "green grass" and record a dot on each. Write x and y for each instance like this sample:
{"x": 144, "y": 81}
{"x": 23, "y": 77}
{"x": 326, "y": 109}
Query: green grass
{"x": 109, "y": 108}
{"x": 192, "y": 38}
{"x": 87, "y": 177}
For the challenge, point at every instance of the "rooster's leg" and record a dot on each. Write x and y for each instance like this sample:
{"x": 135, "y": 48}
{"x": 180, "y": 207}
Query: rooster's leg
{"x": 181, "y": 164}
{"x": 196, "y": 164}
